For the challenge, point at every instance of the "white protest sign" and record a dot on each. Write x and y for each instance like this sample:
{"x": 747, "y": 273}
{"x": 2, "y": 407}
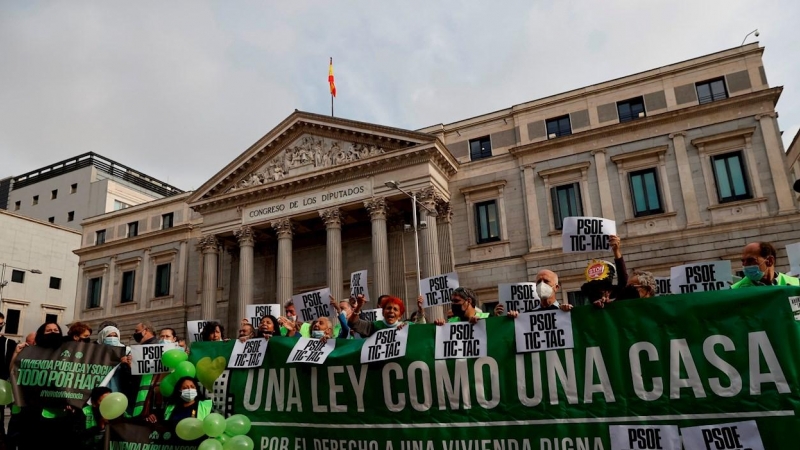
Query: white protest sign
{"x": 309, "y": 350}
{"x": 793, "y": 252}
{"x": 543, "y": 330}
{"x": 388, "y": 343}
{"x": 358, "y": 284}
{"x": 586, "y": 234}
{"x": 723, "y": 436}
{"x": 437, "y": 290}
{"x": 461, "y": 340}
{"x": 254, "y": 313}
{"x": 146, "y": 359}
{"x": 312, "y": 305}
{"x": 794, "y": 303}
{"x": 700, "y": 277}
{"x": 520, "y": 297}
{"x": 663, "y": 285}
{"x": 644, "y": 437}
{"x": 248, "y": 354}
{"x": 371, "y": 315}
{"x": 194, "y": 329}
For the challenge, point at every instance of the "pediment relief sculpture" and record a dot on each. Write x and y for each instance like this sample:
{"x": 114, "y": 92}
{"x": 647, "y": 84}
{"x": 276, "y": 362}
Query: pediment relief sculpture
{"x": 307, "y": 154}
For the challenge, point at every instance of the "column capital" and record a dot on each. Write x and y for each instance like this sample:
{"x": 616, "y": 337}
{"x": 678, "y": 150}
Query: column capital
{"x": 376, "y": 207}
{"x": 246, "y": 236}
{"x": 598, "y": 150}
{"x": 428, "y": 198}
{"x": 284, "y": 228}
{"x": 676, "y": 134}
{"x": 772, "y": 114}
{"x": 209, "y": 244}
{"x": 445, "y": 211}
{"x": 331, "y": 217}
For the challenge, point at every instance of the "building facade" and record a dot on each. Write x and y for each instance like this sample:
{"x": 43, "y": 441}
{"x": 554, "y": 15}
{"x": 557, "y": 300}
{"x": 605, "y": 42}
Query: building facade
{"x": 686, "y": 159}
{"x": 87, "y": 185}
{"x": 38, "y": 273}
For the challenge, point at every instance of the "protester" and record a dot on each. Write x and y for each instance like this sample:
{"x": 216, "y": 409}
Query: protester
{"x": 109, "y": 336}
{"x": 246, "y": 331}
{"x": 119, "y": 376}
{"x": 7, "y": 346}
{"x": 343, "y": 313}
{"x": 30, "y": 339}
{"x": 462, "y": 305}
{"x": 144, "y": 333}
{"x": 758, "y": 264}
{"x": 393, "y": 309}
{"x": 79, "y": 332}
{"x": 93, "y": 436}
{"x": 213, "y": 332}
{"x": 167, "y": 336}
{"x": 139, "y": 388}
{"x": 183, "y": 403}
{"x": 599, "y": 287}
{"x": 546, "y": 288}
{"x": 322, "y": 328}
{"x": 641, "y": 284}
{"x": 304, "y": 328}
{"x": 267, "y": 326}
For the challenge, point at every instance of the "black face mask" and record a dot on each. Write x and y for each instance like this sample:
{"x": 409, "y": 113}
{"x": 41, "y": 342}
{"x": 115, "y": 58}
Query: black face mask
{"x": 628, "y": 293}
{"x": 137, "y": 337}
{"x": 51, "y": 340}
{"x": 458, "y": 310}
{"x": 87, "y": 340}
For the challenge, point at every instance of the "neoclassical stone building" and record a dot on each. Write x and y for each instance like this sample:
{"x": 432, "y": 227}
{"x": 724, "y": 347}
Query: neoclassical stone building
{"x": 686, "y": 158}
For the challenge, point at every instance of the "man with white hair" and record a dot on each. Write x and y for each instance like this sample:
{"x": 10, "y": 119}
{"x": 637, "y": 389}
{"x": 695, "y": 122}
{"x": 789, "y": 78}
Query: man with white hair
{"x": 546, "y": 288}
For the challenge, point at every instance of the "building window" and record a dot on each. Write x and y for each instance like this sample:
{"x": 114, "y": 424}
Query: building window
{"x": 128, "y": 279}
{"x": 51, "y": 219}
{"x": 17, "y": 205}
{"x": 51, "y": 318}
{"x": 100, "y": 237}
{"x": 558, "y": 127}
{"x": 54, "y": 194}
{"x": 566, "y": 203}
{"x": 711, "y": 91}
{"x": 487, "y": 221}
{"x": 55, "y": 283}
{"x": 730, "y": 177}
{"x": 577, "y": 298}
{"x": 162, "y": 280}
{"x": 74, "y": 188}
{"x": 17, "y": 276}
{"x": 35, "y": 200}
{"x": 120, "y": 205}
{"x": 133, "y": 229}
{"x": 93, "y": 292}
{"x": 12, "y": 321}
{"x": 631, "y": 109}
{"x": 480, "y": 148}
{"x": 166, "y": 221}
{"x": 70, "y": 216}
{"x": 644, "y": 189}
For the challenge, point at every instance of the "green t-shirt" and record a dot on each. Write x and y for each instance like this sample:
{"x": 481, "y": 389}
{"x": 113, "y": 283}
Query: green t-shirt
{"x": 781, "y": 280}
{"x": 478, "y": 314}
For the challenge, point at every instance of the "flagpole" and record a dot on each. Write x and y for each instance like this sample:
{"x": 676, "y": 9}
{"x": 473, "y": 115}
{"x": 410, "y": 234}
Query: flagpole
{"x": 332, "y": 105}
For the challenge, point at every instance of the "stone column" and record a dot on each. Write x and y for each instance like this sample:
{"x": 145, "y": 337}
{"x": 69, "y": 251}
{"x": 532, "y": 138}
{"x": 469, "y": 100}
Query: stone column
{"x": 397, "y": 262}
{"x": 333, "y": 227}
{"x": 606, "y": 205}
{"x": 285, "y": 284}
{"x": 210, "y": 248}
{"x": 429, "y": 244}
{"x": 380, "y": 247}
{"x": 144, "y": 282}
{"x": 246, "y": 238}
{"x": 687, "y": 184}
{"x": 445, "y": 233}
{"x": 777, "y": 163}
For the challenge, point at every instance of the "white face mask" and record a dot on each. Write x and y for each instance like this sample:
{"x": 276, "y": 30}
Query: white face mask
{"x": 391, "y": 325}
{"x": 111, "y": 341}
{"x": 543, "y": 290}
{"x": 188, "y": 394}
{"x": 317, "y": 334}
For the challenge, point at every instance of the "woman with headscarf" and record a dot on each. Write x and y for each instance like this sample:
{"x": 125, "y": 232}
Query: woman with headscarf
{"x": 119, "y": 376}
{"x": 393, "y": 309}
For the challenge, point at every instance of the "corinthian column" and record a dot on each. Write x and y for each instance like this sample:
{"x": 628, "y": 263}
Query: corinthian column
{"x": 283, "y": 227}
{"x": 246, "y": 238}
{"x": 429, "y": 242}
{"x": 333, "y": 225}
{"x": 380, "y": 246}
{"x": 210, "y": 248}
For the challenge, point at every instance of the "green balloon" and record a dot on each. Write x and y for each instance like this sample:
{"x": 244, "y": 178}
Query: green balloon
{"x": 171, "y": 358}
{"x": 113, "y": 405}
{"x": 185, "y": 369}
{"x": 223, "y": 438}
{"x": 167, "y": 385}
{"x": 239, "y": 443}
{"x": 214, "y": 424}
{"x": 6, "y": 396}
{"x": 237, "y": 425}
{"x": 189, "y": 429}
{"x": 210, "y": 444}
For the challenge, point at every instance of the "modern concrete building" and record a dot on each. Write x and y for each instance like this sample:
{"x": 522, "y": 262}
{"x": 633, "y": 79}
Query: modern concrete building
{"x": 686, "y": 159}
{"x": 87, "y": 185}
{"x": 38, "y": 273}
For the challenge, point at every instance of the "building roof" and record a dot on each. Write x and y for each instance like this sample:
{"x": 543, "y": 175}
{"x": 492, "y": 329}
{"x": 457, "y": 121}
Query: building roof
{"x": 101, "y": 163}
{"x": 39, "y": 222}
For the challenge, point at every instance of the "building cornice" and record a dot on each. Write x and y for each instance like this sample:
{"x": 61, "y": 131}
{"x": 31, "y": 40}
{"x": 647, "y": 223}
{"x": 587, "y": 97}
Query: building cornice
{"x": 144, "y": 239}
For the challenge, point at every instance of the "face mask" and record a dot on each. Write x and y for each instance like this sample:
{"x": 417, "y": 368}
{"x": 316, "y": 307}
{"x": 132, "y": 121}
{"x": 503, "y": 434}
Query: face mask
{"x": 458, "y": 310}
{"x": 52, "y": 340}
{"x": 753, "y": 273}
{"x": 86, "y": 340}
{"x": 188, "y": 395}
{"x": 164, "y": 341}
{"x": 543, "y": 290}
{"x": 317, "y": 334}
{"x": 628, "y": 293}
{"x": 390, "y": 325}
{"x": 111, "y": 341}
{"x": 137, "y": 337}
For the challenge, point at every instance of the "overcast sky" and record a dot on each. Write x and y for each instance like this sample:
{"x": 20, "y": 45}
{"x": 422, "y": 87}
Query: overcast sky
{"x": 177, "y": 89}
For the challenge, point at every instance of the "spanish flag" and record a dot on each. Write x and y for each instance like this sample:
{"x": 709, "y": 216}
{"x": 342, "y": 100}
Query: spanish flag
{"x": 330, "y": 79}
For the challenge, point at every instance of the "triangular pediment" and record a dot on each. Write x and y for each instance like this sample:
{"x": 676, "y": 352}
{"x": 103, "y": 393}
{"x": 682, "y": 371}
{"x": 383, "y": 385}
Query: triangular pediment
{"x": 303, "y": 144}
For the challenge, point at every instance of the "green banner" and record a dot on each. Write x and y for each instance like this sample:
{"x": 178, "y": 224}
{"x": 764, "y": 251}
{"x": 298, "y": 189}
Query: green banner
{"x": 674, "y": 363}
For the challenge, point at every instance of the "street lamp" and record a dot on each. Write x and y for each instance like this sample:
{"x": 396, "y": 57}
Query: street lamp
{"x": 748, "y": 34}
{"x": 394, "y": 185}
{"x": 3, "y": 281}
